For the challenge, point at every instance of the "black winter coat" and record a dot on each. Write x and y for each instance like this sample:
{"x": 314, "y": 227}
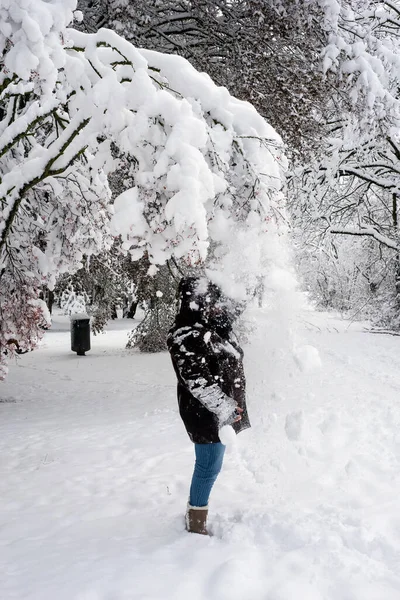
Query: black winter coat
{"x": 211, "y": 380}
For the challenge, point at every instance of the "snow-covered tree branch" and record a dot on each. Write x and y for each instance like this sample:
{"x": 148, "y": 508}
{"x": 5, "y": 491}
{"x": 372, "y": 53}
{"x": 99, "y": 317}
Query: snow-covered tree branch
{"x": 264, "y": 51}
{"x": 367, "y": 231}
{"x": 207, "y": 168}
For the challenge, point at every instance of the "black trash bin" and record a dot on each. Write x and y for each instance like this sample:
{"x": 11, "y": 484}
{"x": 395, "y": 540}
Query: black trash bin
{"x": 80, "y": 334}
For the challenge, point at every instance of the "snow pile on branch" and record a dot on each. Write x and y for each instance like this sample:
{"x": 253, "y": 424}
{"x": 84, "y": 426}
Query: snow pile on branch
{"x": 53, "y": 200}
{"x": 363, "y": 49}
{"x": 208, "y": 176}
{"x": 207, "y": 167}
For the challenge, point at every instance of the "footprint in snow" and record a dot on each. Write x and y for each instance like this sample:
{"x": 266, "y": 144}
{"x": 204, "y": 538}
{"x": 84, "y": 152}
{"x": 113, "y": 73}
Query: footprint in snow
{"x": 294, "y": 425}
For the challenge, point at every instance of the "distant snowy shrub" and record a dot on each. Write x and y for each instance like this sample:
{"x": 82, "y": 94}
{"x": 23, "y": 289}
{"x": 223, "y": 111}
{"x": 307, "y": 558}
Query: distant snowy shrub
{"x": 72, "y": 302}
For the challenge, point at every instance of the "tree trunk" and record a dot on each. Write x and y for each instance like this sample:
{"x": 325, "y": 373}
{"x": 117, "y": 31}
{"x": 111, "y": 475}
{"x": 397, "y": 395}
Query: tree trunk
{"x": 132, "y": 310}
{"x": 48, "y": 297}
{"x": 397, "y": 259}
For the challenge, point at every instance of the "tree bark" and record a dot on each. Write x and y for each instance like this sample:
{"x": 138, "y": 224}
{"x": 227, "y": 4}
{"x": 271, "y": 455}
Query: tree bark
{"x": 396, "y": 232}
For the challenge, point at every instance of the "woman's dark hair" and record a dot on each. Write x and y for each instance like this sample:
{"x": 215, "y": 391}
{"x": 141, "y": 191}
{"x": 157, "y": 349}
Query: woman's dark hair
{"x": 195, "y": 295}
{"x": 202, "y": 301}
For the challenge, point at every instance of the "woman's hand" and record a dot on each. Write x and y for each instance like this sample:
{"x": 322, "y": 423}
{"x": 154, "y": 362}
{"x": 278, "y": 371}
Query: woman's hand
{"x": 239, "y": 417}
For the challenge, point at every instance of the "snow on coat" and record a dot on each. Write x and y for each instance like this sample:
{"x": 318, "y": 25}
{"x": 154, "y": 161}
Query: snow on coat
{"x": 209, "y": 366}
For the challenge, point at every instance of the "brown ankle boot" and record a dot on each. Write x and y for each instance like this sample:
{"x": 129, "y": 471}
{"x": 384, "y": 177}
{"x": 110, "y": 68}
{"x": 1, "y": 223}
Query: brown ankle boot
{"x": 196, "y": 519}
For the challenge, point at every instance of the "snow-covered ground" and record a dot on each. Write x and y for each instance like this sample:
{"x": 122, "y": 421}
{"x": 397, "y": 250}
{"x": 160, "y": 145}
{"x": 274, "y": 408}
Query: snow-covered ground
{"x": 95, "y": 467}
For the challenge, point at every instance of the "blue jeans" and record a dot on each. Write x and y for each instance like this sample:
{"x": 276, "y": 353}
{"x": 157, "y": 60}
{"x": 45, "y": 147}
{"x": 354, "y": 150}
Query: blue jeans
{"x": 208, "y": 464}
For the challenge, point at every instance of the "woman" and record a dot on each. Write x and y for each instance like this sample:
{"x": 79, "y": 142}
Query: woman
{"x": 211, "y": 383}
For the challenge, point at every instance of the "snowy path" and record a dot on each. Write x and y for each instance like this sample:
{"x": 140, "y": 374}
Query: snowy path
{"x": 95, "y": 467}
